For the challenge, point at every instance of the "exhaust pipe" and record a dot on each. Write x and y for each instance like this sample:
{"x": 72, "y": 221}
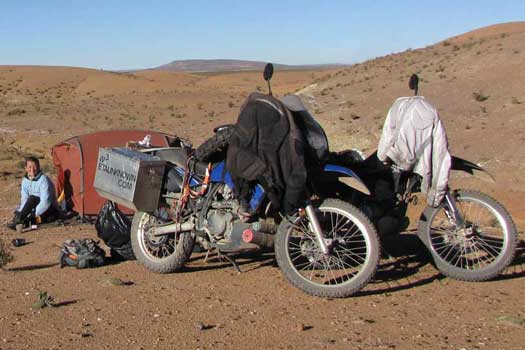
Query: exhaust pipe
{"x": 171, "y": 228}
{"x": 259, "y": 238}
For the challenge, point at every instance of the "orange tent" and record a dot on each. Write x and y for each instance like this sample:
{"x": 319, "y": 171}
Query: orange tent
{"x": 75, "y": 160}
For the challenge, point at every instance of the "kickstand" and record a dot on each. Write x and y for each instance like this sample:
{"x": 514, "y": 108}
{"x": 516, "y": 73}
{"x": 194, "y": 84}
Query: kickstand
{"x": 207, "y": 256}
{"x": 232, "y": 261}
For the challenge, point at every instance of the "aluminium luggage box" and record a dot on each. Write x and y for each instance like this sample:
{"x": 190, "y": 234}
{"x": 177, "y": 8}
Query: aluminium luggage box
{"x": 128, "y": 177}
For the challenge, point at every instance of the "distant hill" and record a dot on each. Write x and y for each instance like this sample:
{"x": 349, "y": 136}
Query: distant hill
{"x": 225, "y": 65}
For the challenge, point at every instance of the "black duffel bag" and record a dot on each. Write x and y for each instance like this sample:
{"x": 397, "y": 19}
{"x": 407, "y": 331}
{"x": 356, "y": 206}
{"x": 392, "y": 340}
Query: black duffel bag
{"x": 114, "y": 229}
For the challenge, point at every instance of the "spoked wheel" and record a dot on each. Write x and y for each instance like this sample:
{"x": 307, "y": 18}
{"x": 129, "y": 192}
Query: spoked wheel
{"x": 479, "y": 250}
{"x": 160, "y": 254}
{"x": 352, "y": 258}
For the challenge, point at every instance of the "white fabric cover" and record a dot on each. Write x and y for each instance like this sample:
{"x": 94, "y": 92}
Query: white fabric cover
{"x": 414, "y": 138}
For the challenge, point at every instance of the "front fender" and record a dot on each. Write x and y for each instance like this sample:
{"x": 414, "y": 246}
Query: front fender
{"x": 348, "y": 177}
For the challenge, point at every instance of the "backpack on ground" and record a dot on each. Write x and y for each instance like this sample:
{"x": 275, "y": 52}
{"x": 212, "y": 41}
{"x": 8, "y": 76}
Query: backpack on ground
{"x": 83, "y": 253}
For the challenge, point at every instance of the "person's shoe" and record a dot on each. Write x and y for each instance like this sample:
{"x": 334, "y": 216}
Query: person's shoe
{"x": 11, "y": 225}
{"x": 15, "y": 221}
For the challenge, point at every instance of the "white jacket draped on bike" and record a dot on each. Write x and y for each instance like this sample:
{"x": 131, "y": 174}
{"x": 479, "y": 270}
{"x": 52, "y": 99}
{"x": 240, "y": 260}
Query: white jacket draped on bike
{"x": 414, "y": 138}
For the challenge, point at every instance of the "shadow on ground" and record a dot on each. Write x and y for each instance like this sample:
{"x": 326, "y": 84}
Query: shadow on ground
{"x": 32, "y": 267}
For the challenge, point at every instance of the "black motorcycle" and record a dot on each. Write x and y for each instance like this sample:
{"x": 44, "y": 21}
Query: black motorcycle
{"x": 470, "y": 235}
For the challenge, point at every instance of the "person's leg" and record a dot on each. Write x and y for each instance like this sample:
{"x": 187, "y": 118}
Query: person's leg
{"x": 51, "y": 214}
{"x": 23, "y": 216}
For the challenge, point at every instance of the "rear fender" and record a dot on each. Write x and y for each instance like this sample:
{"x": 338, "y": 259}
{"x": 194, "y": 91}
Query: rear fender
{"x": 459, "y": 164}
{"x": 348, "y": 177}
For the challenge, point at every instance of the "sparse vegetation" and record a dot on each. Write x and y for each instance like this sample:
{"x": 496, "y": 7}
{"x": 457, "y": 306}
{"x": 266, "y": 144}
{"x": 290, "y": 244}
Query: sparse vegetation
{"x": 20, "y": 164}
{"x": 16, "y": 111}
{"x": 151, "y": 120}
{"x": 479, "y": 96}
{"x": 5, "y": 255}
{"x": 469, "y": 44}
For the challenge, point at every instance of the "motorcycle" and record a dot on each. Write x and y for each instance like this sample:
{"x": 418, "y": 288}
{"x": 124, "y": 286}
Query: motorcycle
{"x": 470, "y": 235}
{"x": 326, "y": 248}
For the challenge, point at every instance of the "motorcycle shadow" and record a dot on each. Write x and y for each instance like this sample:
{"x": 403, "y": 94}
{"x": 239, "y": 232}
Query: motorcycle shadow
{"x": 403, "y": 257}
{"x": 517, "y": 267}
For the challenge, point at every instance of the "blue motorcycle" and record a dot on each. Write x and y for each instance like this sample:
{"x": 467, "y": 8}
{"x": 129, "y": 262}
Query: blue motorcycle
{"x": 326, "y": 248}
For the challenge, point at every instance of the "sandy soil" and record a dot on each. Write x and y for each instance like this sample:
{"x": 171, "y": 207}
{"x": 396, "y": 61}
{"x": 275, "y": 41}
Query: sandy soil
{"x": 209, "y": 305}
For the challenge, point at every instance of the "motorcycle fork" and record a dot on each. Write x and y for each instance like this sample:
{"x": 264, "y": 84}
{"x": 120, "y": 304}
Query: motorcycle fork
{"x": 316, "y": 227}
{"x": 454, "y": 213}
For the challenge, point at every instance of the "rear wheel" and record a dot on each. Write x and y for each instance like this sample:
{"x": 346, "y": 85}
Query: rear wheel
{"x": 162, "y": 254}
{"x": 478, "y": 251}
{"x": 214, "y": 148}
{"x": 353, "y": 251}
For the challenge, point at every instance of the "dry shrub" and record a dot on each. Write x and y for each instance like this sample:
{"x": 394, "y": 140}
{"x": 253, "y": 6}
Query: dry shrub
{"x": 479, "y": 96}
{"x": 5, "y": 254}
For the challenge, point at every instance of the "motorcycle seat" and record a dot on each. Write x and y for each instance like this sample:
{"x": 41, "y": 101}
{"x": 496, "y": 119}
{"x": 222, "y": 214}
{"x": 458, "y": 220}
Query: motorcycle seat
{"x": 179, "y": 157}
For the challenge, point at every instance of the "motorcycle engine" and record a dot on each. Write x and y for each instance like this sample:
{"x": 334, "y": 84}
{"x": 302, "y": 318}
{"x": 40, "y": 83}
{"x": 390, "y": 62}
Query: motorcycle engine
{"x": 220, "y": 223}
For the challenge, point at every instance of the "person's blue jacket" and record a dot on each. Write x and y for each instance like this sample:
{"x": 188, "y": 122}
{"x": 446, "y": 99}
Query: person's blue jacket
{"x": 42, "y": 187}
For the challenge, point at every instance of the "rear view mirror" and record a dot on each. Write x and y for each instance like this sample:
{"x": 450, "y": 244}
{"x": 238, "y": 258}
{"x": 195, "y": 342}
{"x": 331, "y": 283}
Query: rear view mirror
{"x": 413, "y": 83}
{"x": 268, "y": 71}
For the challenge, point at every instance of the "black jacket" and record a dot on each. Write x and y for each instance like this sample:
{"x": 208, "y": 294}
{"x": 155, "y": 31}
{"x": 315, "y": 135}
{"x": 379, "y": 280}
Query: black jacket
{"x": 267, "y": 146}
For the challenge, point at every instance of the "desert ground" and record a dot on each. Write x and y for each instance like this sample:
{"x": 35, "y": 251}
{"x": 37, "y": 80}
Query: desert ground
{"x": 477, "y": 80}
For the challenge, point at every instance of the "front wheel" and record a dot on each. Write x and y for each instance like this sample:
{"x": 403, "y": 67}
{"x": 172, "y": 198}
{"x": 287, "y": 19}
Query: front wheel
{"x": 352, "y": 258}
{"x": 162, "y": 254}
{"x": 477, "y": 251}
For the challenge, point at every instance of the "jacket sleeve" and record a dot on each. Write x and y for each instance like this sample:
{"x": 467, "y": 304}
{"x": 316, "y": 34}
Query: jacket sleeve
{"x": 441, "y": 162}
{"x": 387, "y": 136}
{"x": 46, "y": 196}
{"x": 24, "y": 193}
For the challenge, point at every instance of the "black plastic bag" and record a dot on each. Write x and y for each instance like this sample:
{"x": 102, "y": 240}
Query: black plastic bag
{"x": 114, "y": 229}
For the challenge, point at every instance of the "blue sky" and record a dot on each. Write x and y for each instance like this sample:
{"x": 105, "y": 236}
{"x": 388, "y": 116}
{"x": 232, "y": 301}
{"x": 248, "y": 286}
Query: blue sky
{"x": 139, "y": 34}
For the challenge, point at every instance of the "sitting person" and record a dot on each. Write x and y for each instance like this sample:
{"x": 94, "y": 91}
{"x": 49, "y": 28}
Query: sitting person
{"x": 38, "y": 199}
